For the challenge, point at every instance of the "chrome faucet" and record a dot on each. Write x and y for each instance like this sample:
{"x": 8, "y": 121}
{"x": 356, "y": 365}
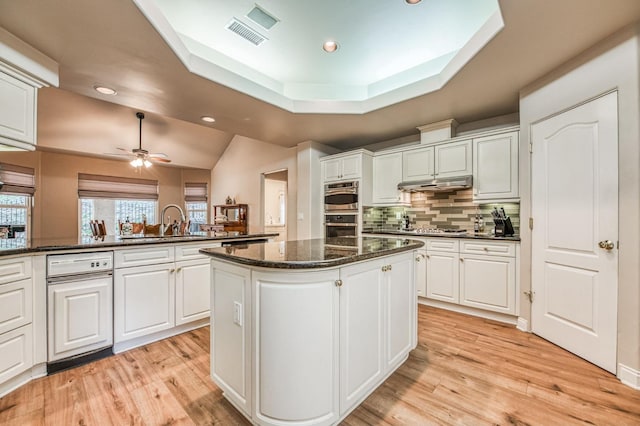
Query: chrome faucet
{"x": 164, "y": 227}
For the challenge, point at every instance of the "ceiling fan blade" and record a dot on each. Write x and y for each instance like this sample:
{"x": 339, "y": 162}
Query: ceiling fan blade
{"x": 158, "y": 155}
{"x": 125, "y": 150}
{"x": 117, "y": 154}
{"x": 159, "y": 160}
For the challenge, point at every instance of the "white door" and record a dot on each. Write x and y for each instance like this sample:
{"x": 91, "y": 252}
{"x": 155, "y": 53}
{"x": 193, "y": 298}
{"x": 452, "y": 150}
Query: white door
{"x": 418, "y": 164}
{"x": 443, "y": 276}
{"x": 193, "y": 287}
{"x": 453, "y": 159}
{"x": 401, "y": 308}
{"x": 387, "y": 174}
{"x": 575, "y": 211}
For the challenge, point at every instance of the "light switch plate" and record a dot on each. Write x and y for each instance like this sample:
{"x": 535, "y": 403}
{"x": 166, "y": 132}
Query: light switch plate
{"x": 237, "y": 313}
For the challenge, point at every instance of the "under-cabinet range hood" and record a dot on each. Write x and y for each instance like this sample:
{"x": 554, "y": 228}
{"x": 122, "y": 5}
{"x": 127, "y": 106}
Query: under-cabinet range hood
{"x": 437, "y": 185}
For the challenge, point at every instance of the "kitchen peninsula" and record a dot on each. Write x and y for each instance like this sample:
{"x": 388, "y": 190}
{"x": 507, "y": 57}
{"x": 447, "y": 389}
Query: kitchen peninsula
{"x": 303, "y": 331}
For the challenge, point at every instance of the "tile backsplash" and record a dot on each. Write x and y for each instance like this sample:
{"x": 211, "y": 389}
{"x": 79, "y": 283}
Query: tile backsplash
{"x": 454, "y": 210}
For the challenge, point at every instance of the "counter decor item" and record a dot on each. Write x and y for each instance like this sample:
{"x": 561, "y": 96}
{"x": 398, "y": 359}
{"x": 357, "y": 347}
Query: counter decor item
{"x": 229, "y": 200}
{"x": 503, "y": 226}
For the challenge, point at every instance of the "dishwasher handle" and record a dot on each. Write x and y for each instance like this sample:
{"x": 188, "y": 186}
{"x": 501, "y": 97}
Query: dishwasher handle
{"x": 78, "y": 277}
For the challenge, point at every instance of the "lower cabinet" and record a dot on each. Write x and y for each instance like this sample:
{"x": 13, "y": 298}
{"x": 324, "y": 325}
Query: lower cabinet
{"x": 421, "y": 272}
{"x": 193, "y": 288}
{"x": 487, "y": 282}
{"x": 16, "y": 352}
{"x": 443, "y": 276}
{"x": 144, "y": 300}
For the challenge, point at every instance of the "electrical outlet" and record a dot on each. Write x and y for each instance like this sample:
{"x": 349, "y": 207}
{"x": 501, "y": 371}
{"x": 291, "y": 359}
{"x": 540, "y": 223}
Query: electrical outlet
{"x": 237, "y": 313}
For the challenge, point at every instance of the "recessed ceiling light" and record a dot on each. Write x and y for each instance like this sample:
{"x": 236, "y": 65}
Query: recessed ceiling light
{"x": 207, "y": 119}
{"x": 105, "y": 90}
{"x": 412, "y": 1}
{"x": 330, "y": 46}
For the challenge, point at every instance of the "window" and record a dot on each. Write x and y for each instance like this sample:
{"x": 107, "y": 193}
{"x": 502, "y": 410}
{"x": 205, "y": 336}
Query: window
{"x": 195, "y": 200}
{"x": 15, "y": 205}
{"x": 114, "y": 199}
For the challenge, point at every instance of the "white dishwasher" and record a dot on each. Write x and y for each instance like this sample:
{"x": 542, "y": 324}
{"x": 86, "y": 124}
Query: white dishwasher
{"x": 79, "y": 308}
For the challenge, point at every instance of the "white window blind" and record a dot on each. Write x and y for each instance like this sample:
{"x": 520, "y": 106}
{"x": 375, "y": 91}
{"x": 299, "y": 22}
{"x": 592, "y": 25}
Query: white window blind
{"x": 195, "y": 191}
{"x": 98, "y": 186}
{"x": 17, "y": 179}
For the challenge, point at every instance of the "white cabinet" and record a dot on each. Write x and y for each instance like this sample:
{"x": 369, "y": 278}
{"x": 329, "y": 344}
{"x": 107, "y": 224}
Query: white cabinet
{"x": 453, "y": 159}
{"x": 144, "y": 300}
{"x": 17, "y": 111}
{"x": 418, "y": 164}
{"x": 16, "y": 317}
{"x": 443, "y": 269}
{"x": 192, "y": 290}
{"x": 488, "y": 281}
{"x": 80, "y": 317}
{"x": 231, "y": 345}
{"x": 421, "y": 272}
{"x": 387, "y": 174}
{"x": 445, "y": 160}
{"x": 296, "y": 371}
{"x": 346, "y": 167}
{"x": 495, "y": 167}
{"x": 401, "y": 314}
{"x": 362, "y": 331}
{"x": 16, "y": 352}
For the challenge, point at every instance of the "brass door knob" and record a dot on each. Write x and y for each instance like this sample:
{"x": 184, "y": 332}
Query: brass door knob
{"x": 606, "y": 244}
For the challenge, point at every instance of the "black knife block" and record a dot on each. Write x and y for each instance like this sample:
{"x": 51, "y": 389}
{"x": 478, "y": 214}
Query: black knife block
{"x": 503, "y": 227}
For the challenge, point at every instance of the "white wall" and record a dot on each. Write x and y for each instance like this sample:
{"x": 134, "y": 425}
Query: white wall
{"x": 272, "y": 191}
{"x": 611, "y": 64}
{"x": 310, "y": 194}
{"x": 239, "y": 171}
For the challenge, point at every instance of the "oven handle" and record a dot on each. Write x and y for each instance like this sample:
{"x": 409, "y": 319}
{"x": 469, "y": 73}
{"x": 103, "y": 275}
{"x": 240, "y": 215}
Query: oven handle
{"x": 341, "y": 224}
{"x": 78, "y": 277}
{"x": 341, "y": 191}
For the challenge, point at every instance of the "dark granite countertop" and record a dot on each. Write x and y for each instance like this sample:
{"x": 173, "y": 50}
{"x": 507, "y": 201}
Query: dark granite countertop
{"x": 72, "y": 243}
{"x": 310, "y": 254}
{"x": 411, "y": 234}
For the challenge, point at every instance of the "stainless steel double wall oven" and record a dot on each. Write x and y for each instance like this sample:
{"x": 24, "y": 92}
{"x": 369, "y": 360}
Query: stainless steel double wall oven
{"x": 341, "y": 208}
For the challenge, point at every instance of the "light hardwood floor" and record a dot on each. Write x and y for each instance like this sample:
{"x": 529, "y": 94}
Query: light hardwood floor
{"x": 465, "y": 371}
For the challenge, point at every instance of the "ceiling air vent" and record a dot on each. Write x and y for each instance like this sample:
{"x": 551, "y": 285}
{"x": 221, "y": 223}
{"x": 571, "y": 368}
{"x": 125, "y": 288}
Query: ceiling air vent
{"x": 262, "y": 18}
{"x": 246, "y": 32}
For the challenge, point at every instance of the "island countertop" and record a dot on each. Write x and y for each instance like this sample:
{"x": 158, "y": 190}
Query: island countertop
{"x": 313, "y": 253}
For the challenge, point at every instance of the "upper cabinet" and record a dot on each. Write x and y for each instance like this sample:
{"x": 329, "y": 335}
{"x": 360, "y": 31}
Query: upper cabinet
{"x": 450, "y": 159}
{"x": 345, "y": 167}
{"x": 418, "y": 164}
{"x": 23, "y": 70}
{"x": 387, "y": 174}
{"x": 453, "y": 159}
{"x": 495, "y": 167}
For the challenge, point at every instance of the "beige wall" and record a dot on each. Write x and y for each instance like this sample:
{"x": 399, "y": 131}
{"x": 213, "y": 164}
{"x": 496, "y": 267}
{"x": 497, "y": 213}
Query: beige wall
{"x": 238, "y": 174}
{"x": 55, "y": 212}
{"x": 612, "y": 64}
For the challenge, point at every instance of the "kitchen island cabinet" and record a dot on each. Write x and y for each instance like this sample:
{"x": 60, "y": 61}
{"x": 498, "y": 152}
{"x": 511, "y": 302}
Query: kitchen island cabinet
{"x": 305, "y": 337}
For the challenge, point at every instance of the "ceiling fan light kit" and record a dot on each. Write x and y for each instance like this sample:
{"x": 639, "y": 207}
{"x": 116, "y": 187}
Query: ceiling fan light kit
{"x": 142, "y": 157}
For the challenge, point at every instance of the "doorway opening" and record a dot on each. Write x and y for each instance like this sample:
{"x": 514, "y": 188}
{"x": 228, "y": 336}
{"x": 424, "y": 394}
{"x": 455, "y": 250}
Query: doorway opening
{"x": 274, "y": 203}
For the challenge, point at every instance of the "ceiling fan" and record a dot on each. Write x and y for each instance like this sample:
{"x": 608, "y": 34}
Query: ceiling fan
{"x": 142, "y": 157}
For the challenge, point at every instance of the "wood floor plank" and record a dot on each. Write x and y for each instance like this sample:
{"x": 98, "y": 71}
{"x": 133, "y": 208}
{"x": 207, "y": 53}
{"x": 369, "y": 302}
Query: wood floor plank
{"x": 464, "y": 371}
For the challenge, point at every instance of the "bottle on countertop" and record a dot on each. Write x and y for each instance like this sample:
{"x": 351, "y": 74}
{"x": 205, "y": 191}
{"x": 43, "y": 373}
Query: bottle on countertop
{"x": 127, "y": 227}
{"x": 476, "y": 224}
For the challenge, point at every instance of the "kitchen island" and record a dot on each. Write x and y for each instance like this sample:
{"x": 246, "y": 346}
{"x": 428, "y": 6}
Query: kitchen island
{"x": 303, "y": 331}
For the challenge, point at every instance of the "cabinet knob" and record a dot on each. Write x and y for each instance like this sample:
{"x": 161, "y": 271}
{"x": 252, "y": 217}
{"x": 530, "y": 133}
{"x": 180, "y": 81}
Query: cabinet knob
{"x": 461, "y": 260}
{"x": 338, "y": 283}
{"x": 389, "y": 268}
{"x": 486, "y": 249}
{"x": 172, "y": 270}
{"x": 428, "y": 257}
{"x": 179, "y": 269}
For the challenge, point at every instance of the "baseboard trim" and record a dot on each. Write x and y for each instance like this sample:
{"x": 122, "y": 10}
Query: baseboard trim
{"x": 523, "y": 325}
{"x": 629, "y": 376}
{"x": 22, "y": 379}
{"x": 496, "y": 316}
{"x": 154, "y": 337}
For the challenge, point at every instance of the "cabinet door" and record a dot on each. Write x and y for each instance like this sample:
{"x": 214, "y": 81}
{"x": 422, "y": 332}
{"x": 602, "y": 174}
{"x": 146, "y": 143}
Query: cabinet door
{"x": 80, "y": 317}
{"x": 361, "y": 331}
{"x": 443, "y": 276}
{"x": 17, "y": 110}
{"x": 453, "y": 159}
{"x": 296, "y": 372}
{"x": 387, "y": 174}
{"x": 144, "y": 300}
{"x": 193, "y": 284}
{"x": 16, "y": 304}
{"x": 15, "y": 269}
{"x": 418, "y": 164}
{"x": 401, "y": 308}
{"x": 495, "y": 167}
{"x": 16, "y": 352}
{"x": 351, "y": 167}
{"x": 332, "y": 169}
{"x": 231, "y": 344}
{"x": 421, "y": 273}
{"x": 488, "y": 282}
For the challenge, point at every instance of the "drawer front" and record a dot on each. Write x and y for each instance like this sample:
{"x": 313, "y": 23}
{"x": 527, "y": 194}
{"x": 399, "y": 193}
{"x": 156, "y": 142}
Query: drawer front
{"x": 495, "y": 248}
{"x": 16, "y": 352}
{"x": 144, "y": 256}
{"x": 192, "y": 251}
{"x": 443, "y": 244}
{"x": 16, "y": 301}
{"x": 15, "y": 269}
